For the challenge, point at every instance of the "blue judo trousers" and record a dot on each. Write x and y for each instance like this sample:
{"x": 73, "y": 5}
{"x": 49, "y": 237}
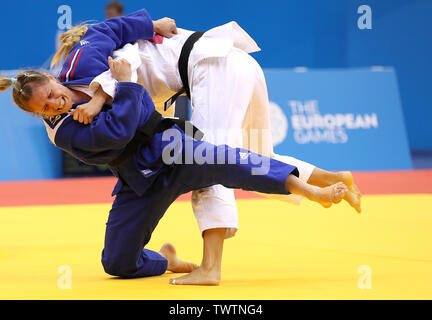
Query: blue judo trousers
{"x": 143, "y": 192}
{"x": 133, "y": 218}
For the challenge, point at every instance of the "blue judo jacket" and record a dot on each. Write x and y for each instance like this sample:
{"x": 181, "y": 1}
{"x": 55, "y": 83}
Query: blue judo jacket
{"x": 110, "y": 131}
{"x": 107, "y": 136}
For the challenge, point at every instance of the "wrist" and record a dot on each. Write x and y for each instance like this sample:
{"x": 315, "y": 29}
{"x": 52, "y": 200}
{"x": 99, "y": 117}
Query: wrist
{"x": 100, "y": 96}
{"x": 155, "y": 26}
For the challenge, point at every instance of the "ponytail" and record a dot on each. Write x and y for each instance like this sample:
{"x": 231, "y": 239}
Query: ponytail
{"x": 67, "y": 40}
{"x": 5, "y": 83}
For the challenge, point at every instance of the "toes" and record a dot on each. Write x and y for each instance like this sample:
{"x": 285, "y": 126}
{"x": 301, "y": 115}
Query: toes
{"x": 339, "y": 191}
{"x": 191, "y": 267}
{"x": 341, "y": 188}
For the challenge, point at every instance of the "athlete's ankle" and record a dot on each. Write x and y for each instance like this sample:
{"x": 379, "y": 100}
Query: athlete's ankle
{"x": 208, "y": 267}
{"x": 313, "y": 193}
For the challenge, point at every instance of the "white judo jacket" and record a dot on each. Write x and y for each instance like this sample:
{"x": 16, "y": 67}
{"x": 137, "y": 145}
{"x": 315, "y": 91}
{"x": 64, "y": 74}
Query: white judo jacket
{"x": 155, "y": 65}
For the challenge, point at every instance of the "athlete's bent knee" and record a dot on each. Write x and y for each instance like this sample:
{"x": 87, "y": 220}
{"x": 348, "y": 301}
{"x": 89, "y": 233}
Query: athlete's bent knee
{"x": 115, "y": 267}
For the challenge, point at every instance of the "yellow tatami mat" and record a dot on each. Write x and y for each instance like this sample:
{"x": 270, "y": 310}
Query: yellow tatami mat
{"x": 280, "y": 252}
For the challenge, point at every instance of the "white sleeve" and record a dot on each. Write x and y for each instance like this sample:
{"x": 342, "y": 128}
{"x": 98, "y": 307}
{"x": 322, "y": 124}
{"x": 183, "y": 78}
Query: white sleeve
{"x": 106, "y": 80}
{"x": 239, "y": 37}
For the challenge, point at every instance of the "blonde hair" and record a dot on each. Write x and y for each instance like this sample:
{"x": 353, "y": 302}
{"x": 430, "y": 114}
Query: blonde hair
{"x": 67, "y": 40}
{"x": 22, "y": 87}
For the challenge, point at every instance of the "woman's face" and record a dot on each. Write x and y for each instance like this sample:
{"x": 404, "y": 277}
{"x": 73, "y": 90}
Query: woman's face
{"x": 50, "y": 98}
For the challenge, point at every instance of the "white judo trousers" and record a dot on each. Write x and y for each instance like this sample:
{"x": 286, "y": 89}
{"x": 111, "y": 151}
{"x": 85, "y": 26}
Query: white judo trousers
{"x": 229, "y": 104}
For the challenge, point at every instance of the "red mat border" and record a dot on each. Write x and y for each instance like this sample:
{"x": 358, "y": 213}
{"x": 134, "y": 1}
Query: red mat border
{"x": 98, "y": 190}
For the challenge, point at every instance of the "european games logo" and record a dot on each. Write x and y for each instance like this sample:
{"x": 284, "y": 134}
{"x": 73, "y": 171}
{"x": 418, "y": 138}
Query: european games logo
{"x": 279, "y": 124}
{"x": 310, "y": 126}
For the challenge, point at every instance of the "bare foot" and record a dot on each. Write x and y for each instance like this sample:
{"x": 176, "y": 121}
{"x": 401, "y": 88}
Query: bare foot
{"x": 201, "y": 276}
{"x": 354, "y": 199}
{"x": 174, "y": 263}
{"x": 356, "y": 190}
{"x": 331, "y": 194}
{"x": 353, "y": 196}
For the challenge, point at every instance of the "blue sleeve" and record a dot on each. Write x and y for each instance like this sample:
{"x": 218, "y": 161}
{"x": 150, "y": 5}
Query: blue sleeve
{"x": 89, "y": 57}
{"x": 126, "y": 29}
{"x": 83, "y": 65}
{"x": 112, "y": 129}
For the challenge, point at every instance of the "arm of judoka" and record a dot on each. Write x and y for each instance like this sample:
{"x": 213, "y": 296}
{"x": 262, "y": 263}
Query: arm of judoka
{"x": 85, "y": 113}
{"x": 104, "y": 86}
{"x": 129, "y": 28}
{"x": 107, "y": 81}
{"x": 113, "y": 128}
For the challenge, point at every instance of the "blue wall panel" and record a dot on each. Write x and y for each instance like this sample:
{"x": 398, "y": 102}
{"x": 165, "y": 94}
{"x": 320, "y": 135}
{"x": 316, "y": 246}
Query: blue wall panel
{"x": 353, "y": 122}
{"x": 400, "y": 37}
{"x": 27, "y": 153}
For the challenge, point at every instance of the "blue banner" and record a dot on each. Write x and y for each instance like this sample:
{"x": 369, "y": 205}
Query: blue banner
{"x": 339, "y": 119}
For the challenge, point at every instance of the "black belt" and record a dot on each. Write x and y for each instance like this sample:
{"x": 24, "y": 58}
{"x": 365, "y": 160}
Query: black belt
{"x": 143, "y": 136}
{"x": 183, "y": 67}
